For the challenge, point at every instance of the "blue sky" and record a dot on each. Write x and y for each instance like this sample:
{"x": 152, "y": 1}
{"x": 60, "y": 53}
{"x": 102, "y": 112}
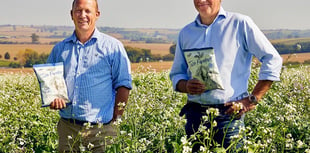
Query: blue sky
{"x": 267, "y": 14}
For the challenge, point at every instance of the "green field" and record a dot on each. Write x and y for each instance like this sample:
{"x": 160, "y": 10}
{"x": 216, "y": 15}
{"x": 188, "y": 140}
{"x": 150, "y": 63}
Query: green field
{"x": 280, "y": 123}
{"x": 4, "y": 63}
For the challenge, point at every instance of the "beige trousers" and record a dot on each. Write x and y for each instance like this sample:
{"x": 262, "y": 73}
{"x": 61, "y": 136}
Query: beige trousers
{"x": 77, "y": 138}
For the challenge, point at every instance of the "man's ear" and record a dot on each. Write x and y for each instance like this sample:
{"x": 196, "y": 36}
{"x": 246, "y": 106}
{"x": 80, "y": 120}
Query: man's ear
{"x": 98, "y": 14}
{"x": 71, "y": 13}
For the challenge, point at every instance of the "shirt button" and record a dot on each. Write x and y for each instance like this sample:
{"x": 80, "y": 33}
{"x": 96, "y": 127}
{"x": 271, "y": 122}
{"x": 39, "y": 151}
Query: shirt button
{"x": 76, "y": 87}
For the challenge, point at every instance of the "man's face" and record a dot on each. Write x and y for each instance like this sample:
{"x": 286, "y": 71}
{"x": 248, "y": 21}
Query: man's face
{"x": 84, "y": 15}
{"x": 207, "y": 7}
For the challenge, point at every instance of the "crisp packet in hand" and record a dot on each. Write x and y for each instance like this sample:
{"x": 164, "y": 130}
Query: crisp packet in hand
{"x": 202, "y": 65}
{"x": 52, "y": 82}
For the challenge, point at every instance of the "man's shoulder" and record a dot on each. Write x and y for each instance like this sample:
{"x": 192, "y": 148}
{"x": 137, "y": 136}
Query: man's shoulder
{"x": 237, "y": 16}
{"x": 106, "y": 38}
{"x": 64, "y": 41}
{"x": 188, "y": 27}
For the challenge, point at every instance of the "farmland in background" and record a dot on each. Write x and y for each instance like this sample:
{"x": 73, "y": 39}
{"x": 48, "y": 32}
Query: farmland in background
{"x": 48, "y": 35}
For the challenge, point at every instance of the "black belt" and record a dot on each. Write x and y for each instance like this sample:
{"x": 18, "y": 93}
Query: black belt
{"x": 202, "y": 108}
{"x": 82, "y": 123}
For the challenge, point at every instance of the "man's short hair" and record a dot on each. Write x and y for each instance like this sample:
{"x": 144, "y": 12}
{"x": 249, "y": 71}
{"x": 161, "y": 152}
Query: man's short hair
{"x": 97, "y": 8}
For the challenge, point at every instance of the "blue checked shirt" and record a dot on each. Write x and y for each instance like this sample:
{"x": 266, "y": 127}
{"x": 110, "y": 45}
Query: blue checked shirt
{"x": 92, "y": 72}
{"x": 235, "y": 39}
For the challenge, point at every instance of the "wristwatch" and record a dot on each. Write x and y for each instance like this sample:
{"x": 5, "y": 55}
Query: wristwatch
{"x": 253, "y": 99}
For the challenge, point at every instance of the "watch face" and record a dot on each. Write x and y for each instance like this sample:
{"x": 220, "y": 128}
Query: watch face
{"x": 253, "y": 99}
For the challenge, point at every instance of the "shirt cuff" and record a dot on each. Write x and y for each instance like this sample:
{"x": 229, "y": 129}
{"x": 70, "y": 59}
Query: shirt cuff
{"x": 175, "y": 80}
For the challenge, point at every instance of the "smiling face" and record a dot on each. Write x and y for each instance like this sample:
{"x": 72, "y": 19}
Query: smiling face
{"x": 208, "y": 9}
{"x": 84, "y": 14}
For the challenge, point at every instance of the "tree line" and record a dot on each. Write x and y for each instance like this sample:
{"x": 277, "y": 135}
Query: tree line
{"x": 302, "y": 47}
{"x": 26, "y": 58}
{"x": 29, "y": 57}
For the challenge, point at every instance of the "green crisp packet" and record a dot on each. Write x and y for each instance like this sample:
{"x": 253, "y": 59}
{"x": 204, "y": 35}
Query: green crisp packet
{"x": 202, "y": 65}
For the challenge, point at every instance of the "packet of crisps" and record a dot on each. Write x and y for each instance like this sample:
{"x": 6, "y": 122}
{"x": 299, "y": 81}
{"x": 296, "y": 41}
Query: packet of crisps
{"x": 52, "y": 82}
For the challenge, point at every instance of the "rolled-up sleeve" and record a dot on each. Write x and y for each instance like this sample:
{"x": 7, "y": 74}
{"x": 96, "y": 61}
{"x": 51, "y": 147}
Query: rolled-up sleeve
{"x": 121, "y": 71}
{"x": 261, "y": 48}
{"x": 179, "y": 68}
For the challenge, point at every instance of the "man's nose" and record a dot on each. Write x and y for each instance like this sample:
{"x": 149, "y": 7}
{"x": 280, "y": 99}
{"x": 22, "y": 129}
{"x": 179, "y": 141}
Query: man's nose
{"x": 83, "y": 13}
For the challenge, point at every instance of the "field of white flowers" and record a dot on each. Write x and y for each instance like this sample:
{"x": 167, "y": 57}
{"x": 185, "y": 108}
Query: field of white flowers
{"x": 280, "y": 123}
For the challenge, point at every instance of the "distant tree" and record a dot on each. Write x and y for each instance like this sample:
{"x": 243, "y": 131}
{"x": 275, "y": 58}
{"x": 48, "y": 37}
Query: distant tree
{"x": 156, "y": 57}
{"x": 168, "y": 57}
{"x": 30, "y": 57}
{"x": 15, "y": 58}
{"x": 172, "y": 49}
{"x": 7, "y": 56}
{"x": 0, "y": 56}
{"x": 34, "y": 38}
{"x": 14, "y": 65}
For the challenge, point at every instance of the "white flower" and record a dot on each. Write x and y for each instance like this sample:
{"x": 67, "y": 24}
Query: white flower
{"x": 202, "y": 149}
{"x": 202, "y": 128}
{"x": 82, "y": 148}
{"x": 214, "y": 124}
{"x": 130, "y": 134}
{"x": 205, "y": 118}
{"x": 299, "y": 144}
{"x": 90, "y": 146}
{"x": 184, "y": 140}
{"x": 213, "y": 111}
{"x": 187, "y": 149}
{"x": 289, "y": 145}
{"x": 98, "y": 134}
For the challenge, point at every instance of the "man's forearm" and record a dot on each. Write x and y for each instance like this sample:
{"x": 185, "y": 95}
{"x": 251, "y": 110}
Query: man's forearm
{"x": 121, "y": 97}
{"x": 261, "y": 88}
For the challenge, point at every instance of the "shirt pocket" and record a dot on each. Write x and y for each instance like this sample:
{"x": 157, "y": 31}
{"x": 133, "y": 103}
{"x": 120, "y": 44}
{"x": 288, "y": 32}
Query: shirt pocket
{"x": 100, "y": 64}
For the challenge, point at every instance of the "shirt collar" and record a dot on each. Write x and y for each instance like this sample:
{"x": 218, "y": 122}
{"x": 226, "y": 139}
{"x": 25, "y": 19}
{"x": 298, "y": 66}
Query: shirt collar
{"x": 74, "y": 39}
{"x": 222, "y": 13}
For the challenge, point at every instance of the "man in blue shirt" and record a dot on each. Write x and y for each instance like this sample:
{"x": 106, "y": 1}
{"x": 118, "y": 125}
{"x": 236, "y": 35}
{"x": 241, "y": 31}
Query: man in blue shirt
{"x": 235, "y": 39}
{"x": 98, "y": 77}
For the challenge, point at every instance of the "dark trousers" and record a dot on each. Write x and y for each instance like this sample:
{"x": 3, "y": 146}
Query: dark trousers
{"x": 225, "y": 123}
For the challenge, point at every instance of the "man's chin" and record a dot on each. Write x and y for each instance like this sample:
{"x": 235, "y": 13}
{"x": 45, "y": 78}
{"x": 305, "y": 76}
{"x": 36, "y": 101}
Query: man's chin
{"x": 83, "y": 28}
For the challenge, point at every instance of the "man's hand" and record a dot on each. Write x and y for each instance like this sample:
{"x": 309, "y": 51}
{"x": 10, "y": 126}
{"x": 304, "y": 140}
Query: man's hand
{"x": 240, "y": 107}
{"x": 193, "y": 86}
{"x": 57, "y": 104}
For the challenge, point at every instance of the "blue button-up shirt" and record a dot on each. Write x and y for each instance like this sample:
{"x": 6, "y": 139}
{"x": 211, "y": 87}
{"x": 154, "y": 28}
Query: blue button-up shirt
{"x": 235, "y": 39}
{"x": 92, "y": 71}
